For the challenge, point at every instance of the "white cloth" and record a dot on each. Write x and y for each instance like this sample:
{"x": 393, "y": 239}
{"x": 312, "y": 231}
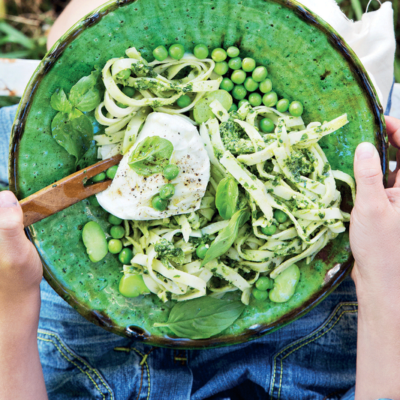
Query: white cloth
{"x": 372, "y": 39}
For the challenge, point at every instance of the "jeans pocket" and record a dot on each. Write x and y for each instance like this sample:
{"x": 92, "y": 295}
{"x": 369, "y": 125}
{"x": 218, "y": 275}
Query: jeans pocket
{"x": 321, "y": 365}
{"x": 67, "y": 375}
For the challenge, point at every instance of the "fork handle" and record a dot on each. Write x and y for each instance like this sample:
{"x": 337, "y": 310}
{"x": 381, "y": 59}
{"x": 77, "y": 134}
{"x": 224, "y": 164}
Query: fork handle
{"x": 56, "y": 198}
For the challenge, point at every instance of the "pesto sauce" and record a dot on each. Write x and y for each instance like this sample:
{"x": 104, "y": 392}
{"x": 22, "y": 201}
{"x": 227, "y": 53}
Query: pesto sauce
{"x": 233, "y": 138}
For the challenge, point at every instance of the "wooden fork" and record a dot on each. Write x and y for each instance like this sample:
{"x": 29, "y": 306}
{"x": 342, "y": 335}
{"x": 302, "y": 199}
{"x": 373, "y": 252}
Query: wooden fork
{"x": 66, "y": 192}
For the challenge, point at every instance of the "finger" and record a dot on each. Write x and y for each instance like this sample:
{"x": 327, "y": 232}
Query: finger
{"x": 396, "y": 183}
{"x": 12, "y": 235}
{"x": 393, "y": 174}
{"x": 369, "y": 178}
{"x": 393, "y": 195}
{"x": 393, "y": 131}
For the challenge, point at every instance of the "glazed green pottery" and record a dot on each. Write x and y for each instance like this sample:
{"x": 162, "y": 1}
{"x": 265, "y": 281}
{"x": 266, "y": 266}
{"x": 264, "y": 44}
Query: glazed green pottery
{"x": 306, "y": 60}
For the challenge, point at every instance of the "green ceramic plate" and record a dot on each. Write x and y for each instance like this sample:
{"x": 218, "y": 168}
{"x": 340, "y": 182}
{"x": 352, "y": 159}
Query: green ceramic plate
{"x": 307, "y": 61}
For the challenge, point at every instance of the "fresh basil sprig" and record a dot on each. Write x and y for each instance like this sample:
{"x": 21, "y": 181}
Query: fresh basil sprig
{"x": 203, "y": 317}
{"x": 71, "y": 128}
{"x": 227, "y": 197}
{"x": 227, "y": 236}
{"x": 151, "y": 156}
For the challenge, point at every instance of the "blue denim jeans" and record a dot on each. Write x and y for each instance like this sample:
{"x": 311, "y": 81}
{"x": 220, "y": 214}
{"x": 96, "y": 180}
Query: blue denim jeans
{"x": 312, "y": 358}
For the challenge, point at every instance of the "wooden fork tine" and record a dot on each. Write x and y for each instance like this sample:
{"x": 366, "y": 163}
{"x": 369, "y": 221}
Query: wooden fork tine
{"x": 97, "y": 188}
{"x": 65, "y": 193}
{"x": 101, "y": 166}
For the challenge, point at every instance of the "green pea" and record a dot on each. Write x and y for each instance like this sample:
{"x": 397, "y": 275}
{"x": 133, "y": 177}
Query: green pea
{"x": 241, "y": 102}
{"x": 121, "y": 105}
{"x": 218, "y": 55}
{"x": 283, "y": 105}
{"x": 238, "y": 76}
{"x": 264, "y": 283}
{"x": 171, "y": 171}
{"x": 267, "y": 125}
{"x": 248, "y": 64}
{"x": 159, "y": 204}
{"x": 132, "y": 286}
{"x": 113, "y": 220}
{"x": 255, "y": 99}
{"x": 124, "y": 74}
{"x": 270, "y": 99}
{"x": 221, "y": 68}
{"x": 269, "y": 230}
{"x": 202, "y": 250}
{"x": 128, "y": 91}
{"x": 126, "y": 256}
{"x": 235, "y": 63}
{"x": 266, "y": 86}
{"x": 239, "y": 92}
{"x": 200, "y": 51}
{"x": 117, "y": 232}
{"x": 226, "y": 84}
{"x": 112, "y": 171}
{"x": 260, "y": 74}
{"x": 250, "y": 84}
{"x": 99, "y": 178}
{"x": 296, "y": 109}
{"x": 234, "y": 107}
{"x": 93, "y": 201}
{"x": 176, "y": 51}
{"x": 114, "y": 246}
{"x": 167, "y": 191}
{"x": 95, "y": 241}
{"x": 184, "y": 101}
{"x": 280, "y": 216}
{"x": 260, "y": 294}
{"x": 233, "y": 51}
{"x": 160, "y": 53}
{"x": 285, "y": 285}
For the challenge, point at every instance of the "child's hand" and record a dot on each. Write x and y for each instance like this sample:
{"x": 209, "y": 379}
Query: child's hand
{"x": 375, "y": 226}
{"x": 375, "y": 243}
{"x": 20, "y": 265}
{"x": 21, "y": 375}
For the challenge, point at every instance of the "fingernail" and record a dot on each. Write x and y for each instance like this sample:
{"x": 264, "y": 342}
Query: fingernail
{"x": 365, "y": 151}
{"x": 7, "y": 199}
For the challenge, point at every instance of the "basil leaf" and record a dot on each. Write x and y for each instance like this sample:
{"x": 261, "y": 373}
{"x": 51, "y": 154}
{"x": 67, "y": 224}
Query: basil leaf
{"x": 203, "y": 317}
{"x": 60, "y": 102}
{"x": 227, "y": 236}
{"x": 85, "y": 95}
{"x": 98, "y": 129}
{"x": 227, "y": 197}
{"x": 151, "y": 156}
{"x": 73, "y": 132}
{"x": 90, "y": 157}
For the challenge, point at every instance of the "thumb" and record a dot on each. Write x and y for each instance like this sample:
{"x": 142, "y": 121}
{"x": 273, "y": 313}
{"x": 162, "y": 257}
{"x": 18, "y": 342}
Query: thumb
{"x": 369, "y": 177}
{"x": 11, "y": 225}
{"x": 15, "y": 247}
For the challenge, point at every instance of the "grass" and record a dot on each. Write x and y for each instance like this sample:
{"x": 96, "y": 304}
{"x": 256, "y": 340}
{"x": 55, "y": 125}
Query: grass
{"x": 24, "y": 25}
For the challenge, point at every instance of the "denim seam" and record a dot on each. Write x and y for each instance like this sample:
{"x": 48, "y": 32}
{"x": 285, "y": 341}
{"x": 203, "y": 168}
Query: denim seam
{"x": 74, "y": 363}
{"x": 79, "y": 358}
{"x": 316, "y": 332}
{"x": 304, "y": 344}
{"x": 147, "y": 368}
